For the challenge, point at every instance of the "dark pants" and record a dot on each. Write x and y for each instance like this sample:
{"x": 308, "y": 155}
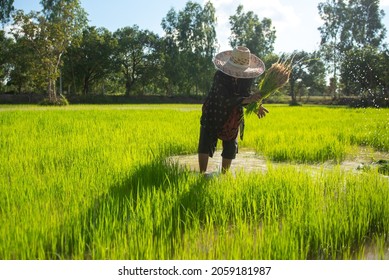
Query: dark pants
{"x": 207, "y": 145}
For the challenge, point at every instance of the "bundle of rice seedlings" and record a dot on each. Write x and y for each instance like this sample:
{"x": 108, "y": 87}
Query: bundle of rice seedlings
{"x": 275, "y": 78}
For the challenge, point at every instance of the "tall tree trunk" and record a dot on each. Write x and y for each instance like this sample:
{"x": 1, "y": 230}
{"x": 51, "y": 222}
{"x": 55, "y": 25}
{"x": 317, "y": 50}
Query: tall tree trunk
{"x": 293, "y": 93}
{"x": 128, "y": 87}
{"x": 86, "y": 86}
{"x": 51, "y": 90}
{"x": 335, "y": 88}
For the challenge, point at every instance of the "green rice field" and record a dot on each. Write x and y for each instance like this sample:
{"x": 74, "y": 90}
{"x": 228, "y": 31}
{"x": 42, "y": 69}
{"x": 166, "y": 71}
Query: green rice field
{"x": 95, "y": 182}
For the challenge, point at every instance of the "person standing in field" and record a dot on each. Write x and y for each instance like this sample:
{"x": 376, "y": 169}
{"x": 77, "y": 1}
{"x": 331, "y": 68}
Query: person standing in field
{"x": 222, "y": 110}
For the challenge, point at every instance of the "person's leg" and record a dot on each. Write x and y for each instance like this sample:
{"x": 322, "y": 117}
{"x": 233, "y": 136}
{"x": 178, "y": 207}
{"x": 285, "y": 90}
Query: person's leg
{"x": 206, "y": 149}
{"x": 203, "y": 162}
{"x": 230, "y": 148}
{"x": 226, "y": 164}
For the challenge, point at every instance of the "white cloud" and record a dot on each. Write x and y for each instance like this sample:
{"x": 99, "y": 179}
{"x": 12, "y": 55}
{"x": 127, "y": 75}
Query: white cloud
{"x": 11, "y": 28}
{"x": 384, "y": 3}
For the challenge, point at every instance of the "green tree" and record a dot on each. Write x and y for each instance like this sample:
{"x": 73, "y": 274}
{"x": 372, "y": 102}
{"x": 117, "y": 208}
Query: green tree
{"x": 334, "y": 14}
{"x": 91, "y": 61}
{"x": 6, "y": 8}
{"x": 299, "y": 72}
{"x": 247, "y": 30}
{"x": 24, "y": 67}
{"x": 190, "y": 43}
{"x": 135, "y": 55}
{"x": 5, "y": 51}
{"x": 49, "y": 35}
{"x": 363, "y": 27}
{"x": 347, "y": 25}
{"x": 154, "y": 78}
{"x": 365, "y": 74}
{"x": 315, "y": 81}
{"x": 171, "y": 53}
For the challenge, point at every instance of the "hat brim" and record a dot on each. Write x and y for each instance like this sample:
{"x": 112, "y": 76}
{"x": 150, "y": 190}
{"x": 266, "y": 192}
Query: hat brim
{"x": 256, "y": 66}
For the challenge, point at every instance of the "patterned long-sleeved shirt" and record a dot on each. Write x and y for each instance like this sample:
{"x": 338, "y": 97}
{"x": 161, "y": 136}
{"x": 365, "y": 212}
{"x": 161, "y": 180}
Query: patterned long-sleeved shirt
{"x": 223, "y": 105}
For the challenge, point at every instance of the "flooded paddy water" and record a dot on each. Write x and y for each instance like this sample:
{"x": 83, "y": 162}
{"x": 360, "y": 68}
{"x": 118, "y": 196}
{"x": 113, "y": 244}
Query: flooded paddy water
{"x": 248, "y": 160}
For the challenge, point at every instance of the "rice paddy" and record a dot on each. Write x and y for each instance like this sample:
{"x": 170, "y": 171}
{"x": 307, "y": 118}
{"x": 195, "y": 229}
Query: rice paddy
{"x": 98, "y": 182}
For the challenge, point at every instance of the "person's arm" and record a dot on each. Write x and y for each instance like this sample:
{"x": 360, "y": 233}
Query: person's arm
{"x": 251, "y": 99}
{"x": 262, "y": 111}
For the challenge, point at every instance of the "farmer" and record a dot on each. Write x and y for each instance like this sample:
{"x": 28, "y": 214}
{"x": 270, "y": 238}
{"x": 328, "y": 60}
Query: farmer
{"x": 222, "y": 111}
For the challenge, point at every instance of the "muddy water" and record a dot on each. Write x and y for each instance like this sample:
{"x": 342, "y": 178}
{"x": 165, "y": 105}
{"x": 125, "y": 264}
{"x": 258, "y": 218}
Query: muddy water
{"x": 248, "y": 161}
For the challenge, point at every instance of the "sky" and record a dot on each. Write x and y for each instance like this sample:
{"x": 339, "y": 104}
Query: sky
{"x": 296, "y": 21}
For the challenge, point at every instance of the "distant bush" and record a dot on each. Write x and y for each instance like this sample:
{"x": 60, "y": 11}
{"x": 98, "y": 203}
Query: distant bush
{"x": 59, "y": 101}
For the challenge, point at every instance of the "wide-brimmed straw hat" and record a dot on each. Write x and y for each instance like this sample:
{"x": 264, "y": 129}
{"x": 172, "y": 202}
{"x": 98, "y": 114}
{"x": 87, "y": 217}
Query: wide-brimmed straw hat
{"x": 239, "y": 63}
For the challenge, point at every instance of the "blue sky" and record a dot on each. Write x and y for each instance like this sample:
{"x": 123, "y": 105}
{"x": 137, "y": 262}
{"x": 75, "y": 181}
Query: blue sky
{"x": 296, "y": 21}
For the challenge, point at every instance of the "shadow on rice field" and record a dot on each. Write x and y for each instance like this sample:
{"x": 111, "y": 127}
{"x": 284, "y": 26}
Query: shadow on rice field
{"x": 150, "y": 209}
{"x": 165, "y": 211}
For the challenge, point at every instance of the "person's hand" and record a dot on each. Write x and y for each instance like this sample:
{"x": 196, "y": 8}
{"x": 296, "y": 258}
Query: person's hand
{"x": 262, "y": 111}
{"x": 252, "y": 98}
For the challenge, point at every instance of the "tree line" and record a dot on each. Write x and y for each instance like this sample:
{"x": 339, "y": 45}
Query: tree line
{"x": 54, "y": 51}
